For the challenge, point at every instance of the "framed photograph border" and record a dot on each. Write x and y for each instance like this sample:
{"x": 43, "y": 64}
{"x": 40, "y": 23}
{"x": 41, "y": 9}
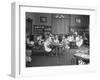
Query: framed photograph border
{"x": 18, "y": 68}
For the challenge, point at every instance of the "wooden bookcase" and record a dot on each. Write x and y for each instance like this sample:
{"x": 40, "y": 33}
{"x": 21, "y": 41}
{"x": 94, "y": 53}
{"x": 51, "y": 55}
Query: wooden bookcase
{"x": 40, "y": 30}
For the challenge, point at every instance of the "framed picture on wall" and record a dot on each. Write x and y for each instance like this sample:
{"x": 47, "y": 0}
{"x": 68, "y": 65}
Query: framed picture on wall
{"x": 43, "y": 19}
{"x": 31, "y": 57}
{"x": 78, "y": 20}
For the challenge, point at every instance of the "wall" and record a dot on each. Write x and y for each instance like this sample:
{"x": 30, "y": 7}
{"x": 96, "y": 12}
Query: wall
{"x": 63, "y": 25}
{"x": 37, "y": 19}
{"x": 60, "y": 25}
{"x": 84, "y": 21}
{"x": 30, "y": 18}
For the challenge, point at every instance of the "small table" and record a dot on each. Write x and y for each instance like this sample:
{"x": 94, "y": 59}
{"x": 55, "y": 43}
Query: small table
{"x": 73, "y": 44}
{"x": 56, "y": 46}
{"x": 82, "y": 56}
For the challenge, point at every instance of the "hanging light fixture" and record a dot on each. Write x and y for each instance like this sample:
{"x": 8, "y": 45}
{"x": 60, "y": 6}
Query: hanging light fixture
{"x": 62, "y": 16}
{"x": 59, "y": 16}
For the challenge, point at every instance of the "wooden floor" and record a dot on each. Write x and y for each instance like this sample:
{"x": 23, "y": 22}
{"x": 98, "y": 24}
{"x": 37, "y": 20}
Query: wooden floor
{"x": 65, "y": 59}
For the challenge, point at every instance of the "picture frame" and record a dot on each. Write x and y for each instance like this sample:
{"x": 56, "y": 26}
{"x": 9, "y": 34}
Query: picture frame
{"x": 77, "y": 20}
{"x": 43, "y": 19}
{"x": 18, "y": 68}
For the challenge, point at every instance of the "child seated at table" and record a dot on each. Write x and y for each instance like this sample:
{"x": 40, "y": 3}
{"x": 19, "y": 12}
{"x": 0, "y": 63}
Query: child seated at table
{"x": 79, "y": 41}
{"x": 65, "y": 42}
{"x": 47, "y": 43}
{"x": 56, "y": 39}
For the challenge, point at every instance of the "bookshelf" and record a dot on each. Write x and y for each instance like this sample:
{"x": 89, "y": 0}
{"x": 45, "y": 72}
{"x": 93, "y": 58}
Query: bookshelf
{"x": 40, "y": 30}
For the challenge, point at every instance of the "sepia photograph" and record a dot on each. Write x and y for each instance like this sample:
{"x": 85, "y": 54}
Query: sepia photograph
{"x": 54, "y": 39}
